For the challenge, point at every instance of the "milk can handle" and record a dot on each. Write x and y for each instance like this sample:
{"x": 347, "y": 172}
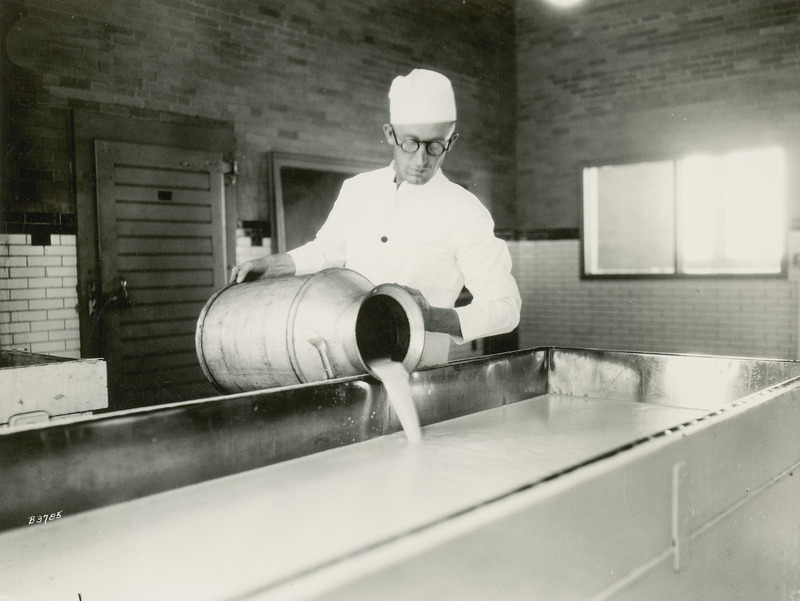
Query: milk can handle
{"x": 319, "y": 343}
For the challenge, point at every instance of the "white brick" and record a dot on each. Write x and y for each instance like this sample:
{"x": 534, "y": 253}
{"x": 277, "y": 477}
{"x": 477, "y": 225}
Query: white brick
{"x": 26, "y": 251}
{"x": 47, "y": 261}
{"x": 51, "y": 324}
{"x": 47, "y": 347}
{"x": 60, "y": 271}
{"x": 26, "y": 293}
{"x": 9, "y": 284}
{"x": 6, "y": 261}
{"x": 61, "y": 313}
{"x": 45, "y": 283}
{"x": 67, "y": 239}
{"x": 17, "y": 328}
{"x": 26, "y": 272}
{"x": 73, "y": 345}
{"x": 62, "y": 293}
{"x": 15, "y": 239}
{"x": 62, "y": 335}
{"x": 29, "y": 316}
{"x": 27, "y": 337}
{"x": 16, "y": 306}
{"x": 59, "y": 250}
{"x": 50, "y": 303}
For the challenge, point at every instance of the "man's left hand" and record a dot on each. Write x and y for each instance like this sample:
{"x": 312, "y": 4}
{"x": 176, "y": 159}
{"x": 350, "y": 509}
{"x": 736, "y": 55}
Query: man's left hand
{"x": 437, "y": 319}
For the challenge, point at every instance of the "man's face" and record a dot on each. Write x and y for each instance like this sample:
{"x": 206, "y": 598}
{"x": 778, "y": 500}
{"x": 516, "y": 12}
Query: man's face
{"x": 417, "y": 167}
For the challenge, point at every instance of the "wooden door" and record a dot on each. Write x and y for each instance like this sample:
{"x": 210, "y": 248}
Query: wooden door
{"x": 161, "y": 244}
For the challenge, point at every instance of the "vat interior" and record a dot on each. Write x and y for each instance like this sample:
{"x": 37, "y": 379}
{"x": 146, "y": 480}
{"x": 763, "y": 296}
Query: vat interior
{"x": 10, "y": 358}
{"x": 382, "y": 329}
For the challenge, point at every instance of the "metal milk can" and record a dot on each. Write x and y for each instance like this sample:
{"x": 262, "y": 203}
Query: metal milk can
{"x": 292, "y": 330}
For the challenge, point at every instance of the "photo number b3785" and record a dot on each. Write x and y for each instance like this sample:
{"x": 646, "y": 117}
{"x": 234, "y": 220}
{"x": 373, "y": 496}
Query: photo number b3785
{"x": 43, "y": 519}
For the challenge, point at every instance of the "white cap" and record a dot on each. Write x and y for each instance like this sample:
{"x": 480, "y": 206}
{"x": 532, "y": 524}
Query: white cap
{"x": 422, "y": 96}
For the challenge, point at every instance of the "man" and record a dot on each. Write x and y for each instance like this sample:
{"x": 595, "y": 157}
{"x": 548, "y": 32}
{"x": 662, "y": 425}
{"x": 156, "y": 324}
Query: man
{"x": 408, "y": 224}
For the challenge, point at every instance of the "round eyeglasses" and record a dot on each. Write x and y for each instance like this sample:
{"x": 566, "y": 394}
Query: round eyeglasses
{"x": 434, "y": 148}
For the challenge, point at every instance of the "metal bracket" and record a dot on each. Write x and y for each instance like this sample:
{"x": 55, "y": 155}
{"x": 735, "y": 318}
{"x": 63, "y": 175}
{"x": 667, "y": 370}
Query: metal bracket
{"x": 118, "y": 299}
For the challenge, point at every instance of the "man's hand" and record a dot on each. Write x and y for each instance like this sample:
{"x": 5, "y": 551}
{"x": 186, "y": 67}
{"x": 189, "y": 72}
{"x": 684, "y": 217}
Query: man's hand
{"x": 437, "y": 319}
{"x": 271, "y": 266}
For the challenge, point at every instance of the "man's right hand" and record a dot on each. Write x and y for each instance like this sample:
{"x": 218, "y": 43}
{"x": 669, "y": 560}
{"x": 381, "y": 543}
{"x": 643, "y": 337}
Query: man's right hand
{"x": 270, "y": 266}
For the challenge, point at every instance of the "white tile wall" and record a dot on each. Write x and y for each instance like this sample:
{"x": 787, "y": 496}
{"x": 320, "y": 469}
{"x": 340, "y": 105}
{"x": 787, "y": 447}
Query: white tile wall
{"x": 732, "y": 316}
{"x": 39, "y": 296}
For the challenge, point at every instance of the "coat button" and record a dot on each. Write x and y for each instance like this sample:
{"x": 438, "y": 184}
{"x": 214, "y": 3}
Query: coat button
{"x": 384, "y": 239}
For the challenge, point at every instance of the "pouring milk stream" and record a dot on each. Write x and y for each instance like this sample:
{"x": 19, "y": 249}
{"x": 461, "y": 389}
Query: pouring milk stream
{"x": 395, "y": 378}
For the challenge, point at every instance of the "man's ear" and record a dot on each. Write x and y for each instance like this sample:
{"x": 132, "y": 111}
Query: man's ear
{"x": 453, "y": 139}
{"x": 387, "y": 131}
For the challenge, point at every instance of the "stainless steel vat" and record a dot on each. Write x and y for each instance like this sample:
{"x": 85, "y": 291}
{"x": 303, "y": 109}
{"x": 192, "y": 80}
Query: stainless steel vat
{"x": 545, "y": 473}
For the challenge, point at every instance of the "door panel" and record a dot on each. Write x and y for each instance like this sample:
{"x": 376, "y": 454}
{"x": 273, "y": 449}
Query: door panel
{"x": 161, "y": 230}
{"x": 172, "y": 179}
{"x": 164, "y": 212}
{"x": 141, "y": 229}
{"x": 165, "y": 246}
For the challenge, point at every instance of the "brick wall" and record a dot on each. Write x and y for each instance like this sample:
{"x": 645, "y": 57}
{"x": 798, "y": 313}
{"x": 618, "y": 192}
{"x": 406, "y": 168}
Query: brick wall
{"x": 38, "y": 297}
{"x": 307, "y": 77}
{"x": 612, "y": 80}
{"x": 607, "y": 80}
{"x": 631, "y": 80}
